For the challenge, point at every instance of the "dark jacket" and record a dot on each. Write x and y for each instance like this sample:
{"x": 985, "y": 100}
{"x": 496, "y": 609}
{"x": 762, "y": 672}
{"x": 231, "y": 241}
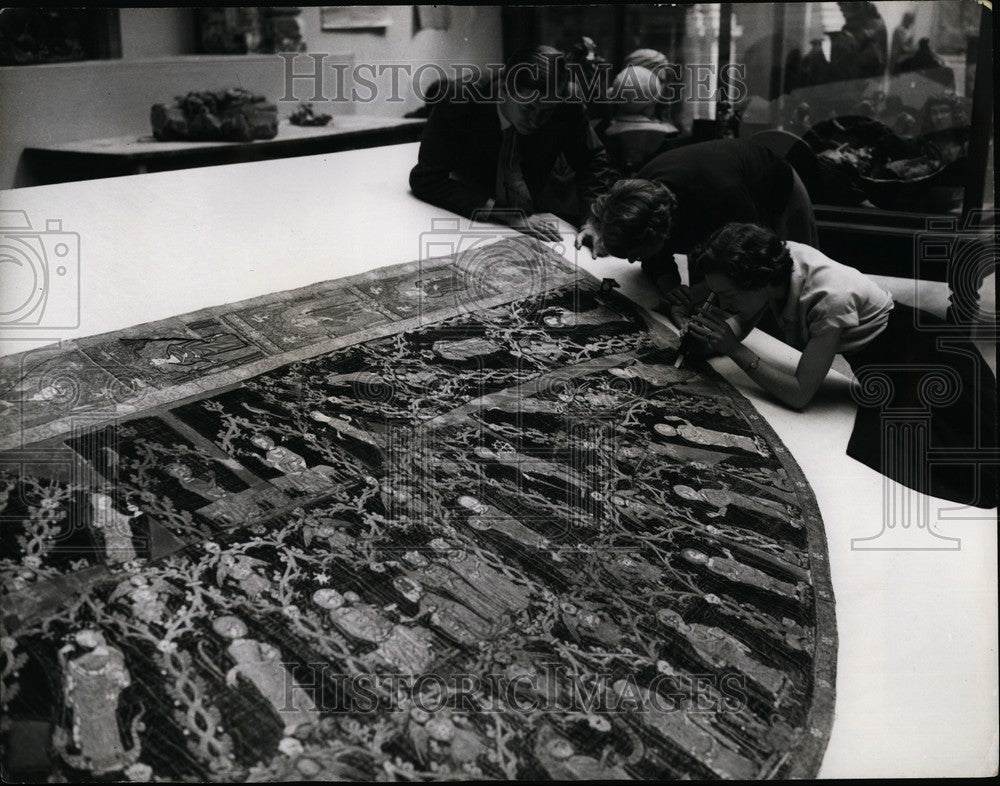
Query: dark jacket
{"x": 716, "y": 182}
{"x": 460, "y": 149}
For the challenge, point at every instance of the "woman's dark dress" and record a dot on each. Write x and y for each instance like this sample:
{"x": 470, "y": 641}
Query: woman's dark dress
{"x": 917, "y": 372}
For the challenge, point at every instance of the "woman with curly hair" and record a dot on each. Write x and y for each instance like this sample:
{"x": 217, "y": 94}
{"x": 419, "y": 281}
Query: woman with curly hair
{"x": 824, "y": 309}
{"x": 944, "y": 129}
{"x": 680, "y": 197}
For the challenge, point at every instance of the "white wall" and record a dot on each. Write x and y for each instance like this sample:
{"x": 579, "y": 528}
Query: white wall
{"x": 474, "y": 36}
{"x": 65, "y": 102}
{"x": 155, "y": 32}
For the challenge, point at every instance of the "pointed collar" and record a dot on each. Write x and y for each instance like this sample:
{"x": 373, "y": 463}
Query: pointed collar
{"x": 789, "y": 312}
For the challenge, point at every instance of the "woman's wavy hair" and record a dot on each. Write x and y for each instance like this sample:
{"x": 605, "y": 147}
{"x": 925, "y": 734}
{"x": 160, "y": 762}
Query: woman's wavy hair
{"x": 751, "y": 256}
{"x": 634, "y": 214}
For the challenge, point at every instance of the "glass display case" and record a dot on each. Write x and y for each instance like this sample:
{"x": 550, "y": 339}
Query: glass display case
{"x": 685, "y": 34}
{"x": 881, "y": 93}
{"x": 879, "y": 106}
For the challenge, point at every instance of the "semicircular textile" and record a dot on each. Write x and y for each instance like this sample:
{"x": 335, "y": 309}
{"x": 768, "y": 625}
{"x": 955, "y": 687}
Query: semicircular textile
{"x": 457, "y": 519}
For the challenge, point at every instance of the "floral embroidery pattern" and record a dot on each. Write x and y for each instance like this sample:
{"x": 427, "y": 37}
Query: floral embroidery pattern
{"x": 514, "y": 542}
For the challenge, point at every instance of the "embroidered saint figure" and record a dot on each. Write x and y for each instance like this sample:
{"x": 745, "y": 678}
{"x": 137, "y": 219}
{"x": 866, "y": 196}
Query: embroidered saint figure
{"x": 718, "y": 649}
{"x": 486, "y": 517}
{"x": 408, "y": 649}
{"x": 703, "y": 436}
{"x": 654, "y": 373}
{"x": 684, "y": 726}
{"x": 343, "y": 426}
{"x": 562, "y": 761}
{"x": 722, "y": 498}
{"x": 242, "y": 569}
{"x": 294, "y": 468}
{"x": 743, "y": 574}
{"x": 464, "y": 349}
{"x": 259, "y": 663}
{"x": 208, "y": 489}
{"x": 499, "y": 594}
{"x": 114, "y": 527}
{"x": 449, "y": 617}
{"x": 92, "y": 685}
{"x": 144, "y": 597}
{"x": 564, "y": 318}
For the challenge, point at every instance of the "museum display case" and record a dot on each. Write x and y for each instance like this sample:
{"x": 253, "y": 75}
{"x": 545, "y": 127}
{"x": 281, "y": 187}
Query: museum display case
{"x": 879, "y": 106}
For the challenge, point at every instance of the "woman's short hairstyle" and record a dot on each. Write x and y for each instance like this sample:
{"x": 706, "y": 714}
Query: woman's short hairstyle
{"x": 634, "y": 214}
{"x": 751, "y": 256}
{"x": 539, "y": 70}
{"x": 649, "y": 58}
{"x": 634, "y": 90}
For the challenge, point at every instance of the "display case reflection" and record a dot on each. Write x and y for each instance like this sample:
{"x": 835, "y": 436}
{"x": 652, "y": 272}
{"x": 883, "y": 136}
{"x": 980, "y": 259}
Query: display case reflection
{"x": 878, "y": 94}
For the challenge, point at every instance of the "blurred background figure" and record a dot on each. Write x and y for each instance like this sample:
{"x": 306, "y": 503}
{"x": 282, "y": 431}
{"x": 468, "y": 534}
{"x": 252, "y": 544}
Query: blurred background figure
{"x": 926, "y": 61}
{"x": 728, "y": 117}
{"x": 636, "y": 135}
{"x": 652, "y": 59}
{"x": 903, "y": 42}
{"x": 861, "y": 49}
{"x": 801, "y": 119}
{"x": 659, "y": 64}
{"x": 814, "y": 68}
{"x": 592, "y": 74}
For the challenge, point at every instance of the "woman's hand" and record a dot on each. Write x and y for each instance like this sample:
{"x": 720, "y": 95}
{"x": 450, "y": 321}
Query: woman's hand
{"x": 589, "y": 238}
{"x": 677, "y": 305}
{"x": 710, "y": 326}
{"x": 536, "y": 226}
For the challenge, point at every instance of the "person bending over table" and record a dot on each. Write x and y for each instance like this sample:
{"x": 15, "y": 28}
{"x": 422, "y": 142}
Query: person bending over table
{"x": 488, "y": 148}
{"x": 683, "y": 195}
{"x": 826, "y": 308}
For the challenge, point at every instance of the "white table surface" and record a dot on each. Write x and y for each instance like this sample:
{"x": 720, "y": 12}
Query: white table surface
{"x": 917, "y": 663}
{"x": 287, "y": 132}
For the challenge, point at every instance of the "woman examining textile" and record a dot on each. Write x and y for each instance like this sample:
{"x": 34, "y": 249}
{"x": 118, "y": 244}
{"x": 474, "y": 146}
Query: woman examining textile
{"x": 825, "y": 309}
{"x": 677, "y": 200}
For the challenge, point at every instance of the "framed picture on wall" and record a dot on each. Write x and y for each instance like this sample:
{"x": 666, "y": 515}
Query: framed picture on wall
{"x": 355, "y": 17}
